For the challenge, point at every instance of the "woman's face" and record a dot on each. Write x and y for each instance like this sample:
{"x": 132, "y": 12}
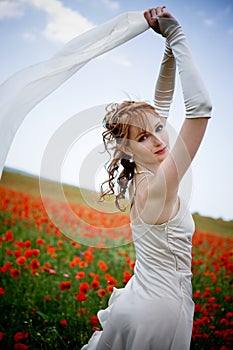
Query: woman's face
{"x": 149, "y": 143}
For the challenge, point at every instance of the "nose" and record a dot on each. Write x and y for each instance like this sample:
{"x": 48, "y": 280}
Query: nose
{"x": 157, "y": 141}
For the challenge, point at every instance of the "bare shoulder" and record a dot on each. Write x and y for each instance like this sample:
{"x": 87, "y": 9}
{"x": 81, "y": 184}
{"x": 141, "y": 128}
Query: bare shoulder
{"x": 151, "y": 202}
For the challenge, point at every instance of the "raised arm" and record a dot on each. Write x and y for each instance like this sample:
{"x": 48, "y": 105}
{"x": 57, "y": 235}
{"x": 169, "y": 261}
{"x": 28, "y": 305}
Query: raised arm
{"x": 164, "y": 88}
{"x": 197, "y": 103}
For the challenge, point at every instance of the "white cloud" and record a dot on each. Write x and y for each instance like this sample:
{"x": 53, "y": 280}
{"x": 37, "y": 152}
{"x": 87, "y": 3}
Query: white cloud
{"x": 113, "y": 5}
{"x": 63, "y": 23}
{"x": 10, "y": 9}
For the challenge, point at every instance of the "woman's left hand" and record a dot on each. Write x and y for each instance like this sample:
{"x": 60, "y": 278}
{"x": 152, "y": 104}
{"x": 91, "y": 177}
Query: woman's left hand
{"x": 152, "y": 15}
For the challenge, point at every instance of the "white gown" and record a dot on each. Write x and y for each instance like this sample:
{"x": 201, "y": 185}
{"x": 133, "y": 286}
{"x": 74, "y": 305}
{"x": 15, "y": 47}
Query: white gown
{"x": 155, "y": 309}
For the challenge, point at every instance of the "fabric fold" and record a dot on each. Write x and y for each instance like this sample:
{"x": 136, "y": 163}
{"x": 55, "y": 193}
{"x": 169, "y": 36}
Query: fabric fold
{"x": 26, "y": 88}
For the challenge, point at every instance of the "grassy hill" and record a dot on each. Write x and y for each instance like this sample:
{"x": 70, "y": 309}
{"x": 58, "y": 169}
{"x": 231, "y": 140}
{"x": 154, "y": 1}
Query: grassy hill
{"x": 23, "y": 182}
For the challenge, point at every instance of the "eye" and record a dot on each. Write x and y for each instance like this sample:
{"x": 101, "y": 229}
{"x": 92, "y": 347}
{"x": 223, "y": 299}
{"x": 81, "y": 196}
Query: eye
{"x": 159, "y": 128}
{"x": 142, "y": 138}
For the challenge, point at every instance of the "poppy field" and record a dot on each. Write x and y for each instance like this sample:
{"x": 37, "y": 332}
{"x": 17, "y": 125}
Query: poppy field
{"x": 51, "y": 287}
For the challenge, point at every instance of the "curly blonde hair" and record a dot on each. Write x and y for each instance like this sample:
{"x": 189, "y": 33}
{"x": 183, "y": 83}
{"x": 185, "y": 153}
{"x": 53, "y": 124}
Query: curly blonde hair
{"x": 117, "y": 121}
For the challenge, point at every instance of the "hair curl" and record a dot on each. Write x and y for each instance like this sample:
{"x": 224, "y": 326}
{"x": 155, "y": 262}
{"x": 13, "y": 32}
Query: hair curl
{"x": 117, "y": 121}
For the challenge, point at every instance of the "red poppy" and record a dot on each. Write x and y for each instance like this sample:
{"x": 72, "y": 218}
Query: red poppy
{"x": 84, "y": 287}
{"x": 81, "y": 296}
{"x": 35, "y": 252}
{"x": 110, "y": 289}
{"x": 101, "y": 293}
{"x": 127, "y": 276}
{"x": 80, "y": 275}
{"x": 64, "y": 285}
{"x": 9, "y": 236}
{"x": 6, "y": 267}
{"x": 17, "y": 253}
{"x": 102, "y": 265}
{"x": 21, "y": 260}
{"x": 2, "y": 291}
{"x": 40, "y": 241}
{"x": 64, "y": 323}
{"x": 224, "y": 322}
{"x": 15, "y": 273}
{"x": 83, "y": 264}
{"x": 94, "y": 320}
{"x": 1, "y": 336}
{"x": 95, "y": 284}
{"x": 27, "y": 243}
{"x": 28, "y": 253}
{"x": 20, "y": 335}
{"x": 34, "y": 264}
{"x": 211, "y": 300}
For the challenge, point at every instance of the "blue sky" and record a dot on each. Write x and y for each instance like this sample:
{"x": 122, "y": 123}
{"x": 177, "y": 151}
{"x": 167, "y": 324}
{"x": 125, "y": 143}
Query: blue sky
{"x": 33, "y": 30}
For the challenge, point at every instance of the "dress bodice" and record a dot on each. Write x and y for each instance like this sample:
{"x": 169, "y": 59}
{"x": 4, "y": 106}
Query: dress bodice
{"x": 164, "y": 251}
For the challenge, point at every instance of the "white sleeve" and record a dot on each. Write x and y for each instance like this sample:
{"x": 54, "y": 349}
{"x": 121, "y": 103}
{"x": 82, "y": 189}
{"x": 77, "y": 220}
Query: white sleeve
{"x": 164, "y": 88}
{"x": 196, "y": 98}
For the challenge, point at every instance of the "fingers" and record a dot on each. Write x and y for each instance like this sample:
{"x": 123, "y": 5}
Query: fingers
{"x": 153, "y": 14}
{"x": 152, "y": 19}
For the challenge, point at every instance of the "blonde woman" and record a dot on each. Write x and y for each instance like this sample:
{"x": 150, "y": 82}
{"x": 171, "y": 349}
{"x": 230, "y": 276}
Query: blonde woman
{"x": 155, "y": 309}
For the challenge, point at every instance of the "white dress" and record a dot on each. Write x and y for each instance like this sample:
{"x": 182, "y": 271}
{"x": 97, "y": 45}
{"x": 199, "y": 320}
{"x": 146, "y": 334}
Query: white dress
{"x": 155, "y": 309}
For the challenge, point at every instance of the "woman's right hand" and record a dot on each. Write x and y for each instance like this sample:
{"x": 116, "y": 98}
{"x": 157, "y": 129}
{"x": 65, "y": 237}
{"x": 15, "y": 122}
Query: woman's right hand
{"x": 152, "y": 15}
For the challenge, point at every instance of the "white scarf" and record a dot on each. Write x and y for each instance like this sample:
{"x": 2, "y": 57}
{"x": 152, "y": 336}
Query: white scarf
{"x": 26, "y": 88}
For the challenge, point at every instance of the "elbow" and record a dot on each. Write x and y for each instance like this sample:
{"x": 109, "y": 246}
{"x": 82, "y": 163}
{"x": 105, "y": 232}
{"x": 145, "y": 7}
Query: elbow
{"x": 202, "y": 108}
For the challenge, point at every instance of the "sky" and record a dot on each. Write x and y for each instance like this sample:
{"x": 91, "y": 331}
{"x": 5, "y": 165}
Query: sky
{"x": 32, "y": 31}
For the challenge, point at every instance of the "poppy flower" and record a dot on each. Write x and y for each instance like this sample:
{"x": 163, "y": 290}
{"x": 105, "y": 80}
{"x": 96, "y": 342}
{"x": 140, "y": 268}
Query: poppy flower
{"x": 83, "y": 288}
{"x": 1, "y": 336}
{"x": 39, "y": 241}
{"x": 95, "y": 284}
{"x": 94, "y": 320}
{"x": 9, "y": 236}
{"x": 101, "y": 293}
{"x": 15, "y": 273}
{"x": 34, "y": 264}
{"x": 83, "y": 264}
{"x": 64, "y": 285}
{"x": 20, "y": 335}
{"x": 21, "y": 260}
{"x": 2, "y": 291}
{"x": 102, "y": 265}
{"x": 81, "y": 296}
{"x": 28, "y": 253}
{"x": 80, "y": 275}
{"x": 64, "y": 323}
{"x": 127, "y": 276}
{"x": 110, "y": 288}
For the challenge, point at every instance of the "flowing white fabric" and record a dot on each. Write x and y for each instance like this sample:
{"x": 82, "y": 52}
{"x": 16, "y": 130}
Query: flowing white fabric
{"x": 155, "y": 309}
{"x": 26, "y": 88}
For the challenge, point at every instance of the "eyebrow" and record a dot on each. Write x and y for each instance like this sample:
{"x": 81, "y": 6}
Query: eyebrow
{"x": 144, "y": 131}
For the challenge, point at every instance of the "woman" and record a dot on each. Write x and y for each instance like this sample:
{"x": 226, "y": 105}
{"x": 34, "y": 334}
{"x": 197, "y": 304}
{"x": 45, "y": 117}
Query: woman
{"x": 155, "y": 309}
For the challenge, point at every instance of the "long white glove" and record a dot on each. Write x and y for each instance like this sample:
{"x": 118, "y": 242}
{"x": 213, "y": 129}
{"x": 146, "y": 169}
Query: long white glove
{"x": 164, "y": 88}
{"x": 196, "y": 99}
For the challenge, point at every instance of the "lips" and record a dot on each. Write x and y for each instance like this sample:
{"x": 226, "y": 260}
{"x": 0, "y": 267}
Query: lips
{"x": 161, "y": 151}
